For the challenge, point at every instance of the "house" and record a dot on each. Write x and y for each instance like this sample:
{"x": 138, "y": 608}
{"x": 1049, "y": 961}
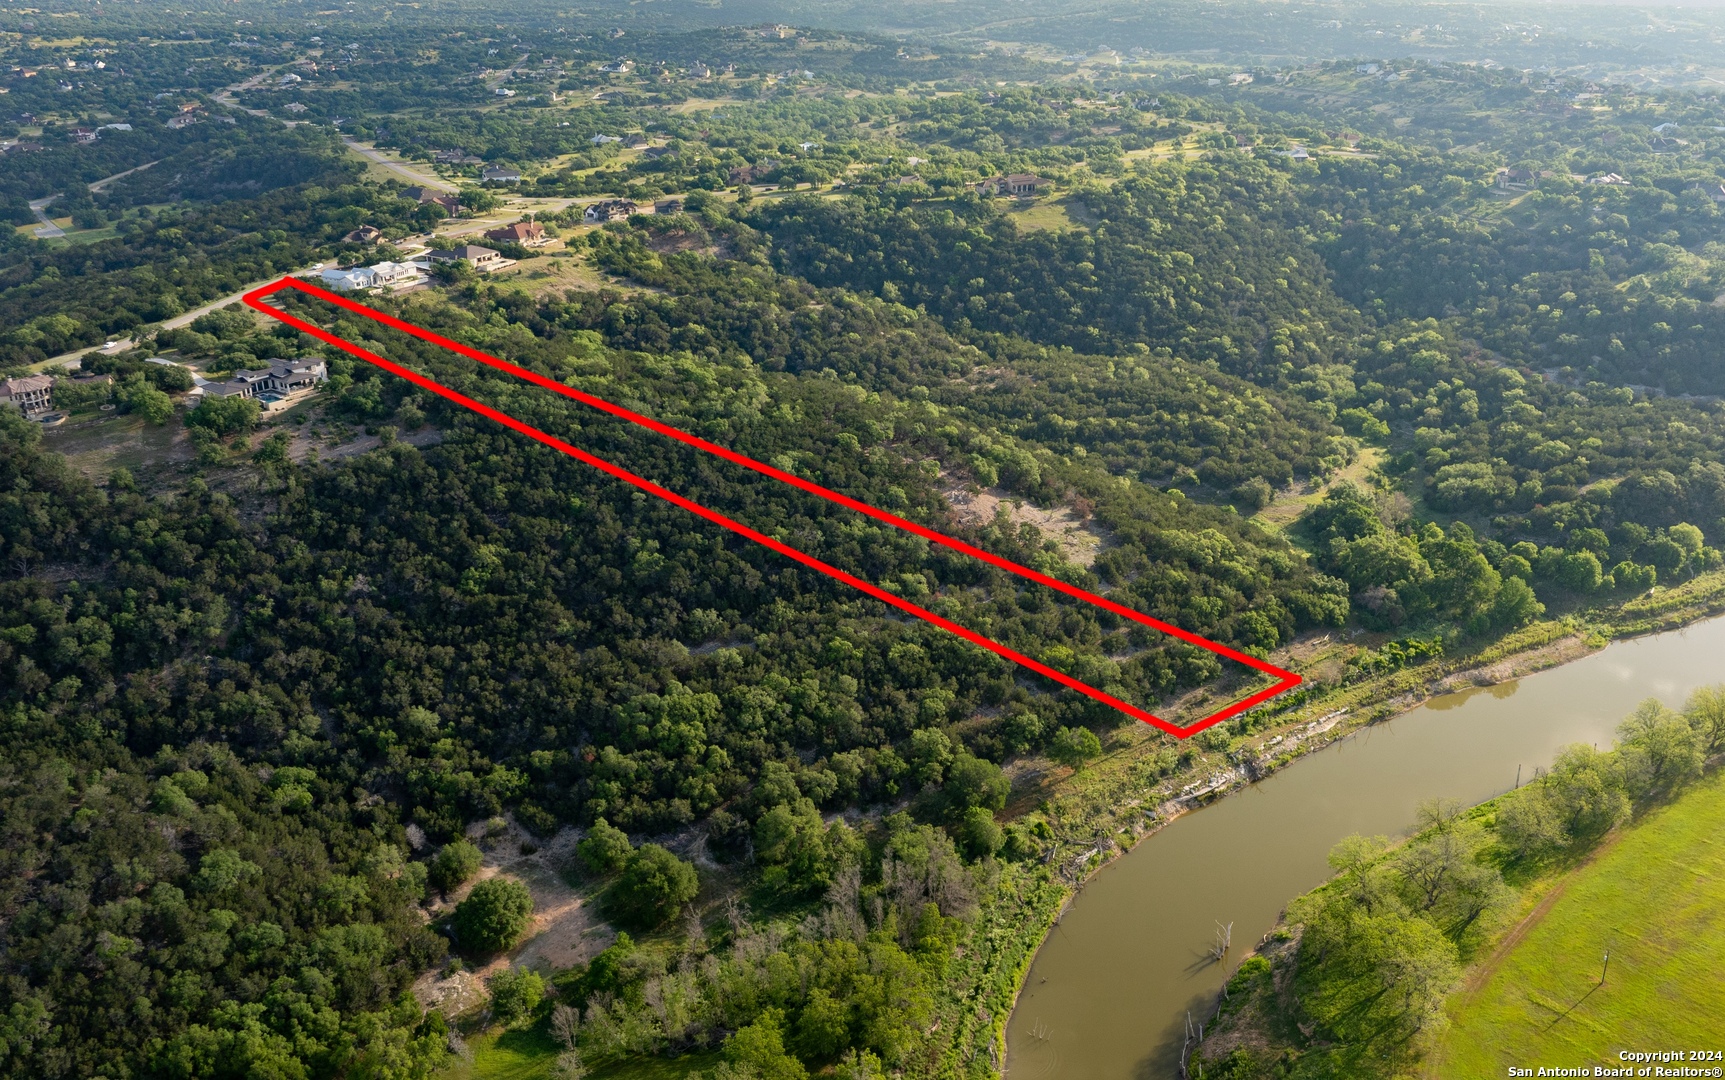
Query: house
{"x": 482, "y": 259}
{"x": 431, "y": 195}
{"x": 84, "y": 135}
{"x": 505, "y": 92}
{"x": 30, "y": 394}
{"x": 365, "y": 234}
{"x": 450, "y": 157}
{"x": 654, "y": 153}
{"x": 1012, "y": 184}
{"x": 1366, "y": 69}
{"x": 115, "y": 127}
{"x": 748, "y": 174}
{"x": 1239, "y": 78}
{"x": 1665, "y": 129}
{"x": 700, "y": 71}
{"x": 601, "y": 140}
{"x": 393, "y": 275}
{"x": 290, "y": 78}
{"x": 1609, "y": 178}
{"x": 668, "y": 206}
{"x": 635, "y": 141}
{"x": 525, "y": 233}
{"x": 275, "y": 387}
{"x": 1298, "y": 153}
{"x": 807, "y": 146}
{"x": 1514, "y": 178}
{"x": 609, "y": 210}
{"x": 1713, "y": 190}
{"x": 502, "y": 175}
{"x": 294, "y": 107}
{"x": 618, "y": 67}
{"x": 185, "y": 120}
{"x": 349, "y": 280}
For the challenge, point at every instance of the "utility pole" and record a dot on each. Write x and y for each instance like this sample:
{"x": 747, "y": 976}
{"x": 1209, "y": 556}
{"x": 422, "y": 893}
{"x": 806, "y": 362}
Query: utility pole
{"x": 1518, "y": 776}
{"x": 1606, "y": 966}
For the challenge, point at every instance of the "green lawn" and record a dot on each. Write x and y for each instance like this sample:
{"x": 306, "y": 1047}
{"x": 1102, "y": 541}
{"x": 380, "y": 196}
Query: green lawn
{"x": 1656, "y": 900}
{"x": 530, "y": 1055}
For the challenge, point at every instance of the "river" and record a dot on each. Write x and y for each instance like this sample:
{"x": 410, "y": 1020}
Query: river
{"x": 1108, "y": 993}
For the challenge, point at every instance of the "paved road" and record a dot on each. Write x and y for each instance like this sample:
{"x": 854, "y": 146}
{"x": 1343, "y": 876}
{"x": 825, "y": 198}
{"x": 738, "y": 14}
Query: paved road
{"x": 48, "y": 230}
{"x": 397, "y": 167}
{"x": 122, "y": 344}
{"x": 106, "y": 180}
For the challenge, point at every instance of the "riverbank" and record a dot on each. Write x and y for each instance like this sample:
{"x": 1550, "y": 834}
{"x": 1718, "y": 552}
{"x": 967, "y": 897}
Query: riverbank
{"x": 1089, "y": 820}
{"x": 1532, "y": 987}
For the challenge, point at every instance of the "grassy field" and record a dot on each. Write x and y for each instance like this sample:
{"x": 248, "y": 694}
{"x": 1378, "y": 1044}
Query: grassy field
{"x": 531, "y": 1055}
{"x": 1656, "y": 900}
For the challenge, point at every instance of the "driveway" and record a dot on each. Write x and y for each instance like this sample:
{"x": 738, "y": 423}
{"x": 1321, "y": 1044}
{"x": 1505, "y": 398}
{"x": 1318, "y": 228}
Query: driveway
{"x": 373, "y": 155}
{"x": 48, "y": 230}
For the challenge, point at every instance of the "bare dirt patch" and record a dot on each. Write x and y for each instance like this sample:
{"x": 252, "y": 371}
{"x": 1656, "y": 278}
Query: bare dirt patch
{"x": 566, "y": 929}
{"x": 1079, "y": 538}
{"x": 1561, "y": 651}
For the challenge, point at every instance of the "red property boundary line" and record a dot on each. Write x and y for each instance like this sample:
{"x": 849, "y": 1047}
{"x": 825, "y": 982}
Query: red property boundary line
{"x": 1285, "y": 680}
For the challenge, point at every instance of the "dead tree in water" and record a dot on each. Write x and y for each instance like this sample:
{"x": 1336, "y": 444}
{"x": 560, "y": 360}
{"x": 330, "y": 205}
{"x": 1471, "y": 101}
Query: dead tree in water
{"x": 1224, "y": 941}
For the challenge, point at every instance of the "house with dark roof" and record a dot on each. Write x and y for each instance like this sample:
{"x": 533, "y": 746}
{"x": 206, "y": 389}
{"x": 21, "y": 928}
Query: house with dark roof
{"x": 276, "y": 387}
{"x": 525, "y": 233}
{"x": 482, "y": 259}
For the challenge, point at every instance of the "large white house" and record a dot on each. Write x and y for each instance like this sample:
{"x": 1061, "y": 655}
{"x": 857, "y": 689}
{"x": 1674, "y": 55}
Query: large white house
{"x": 378, "y": 275}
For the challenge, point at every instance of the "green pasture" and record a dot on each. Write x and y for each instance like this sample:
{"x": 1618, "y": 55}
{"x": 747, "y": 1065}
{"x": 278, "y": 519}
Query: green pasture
{"x": 1656, "y": 901}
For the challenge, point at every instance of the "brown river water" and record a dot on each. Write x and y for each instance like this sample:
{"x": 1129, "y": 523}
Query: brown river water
{"x": 1108, "y": 993}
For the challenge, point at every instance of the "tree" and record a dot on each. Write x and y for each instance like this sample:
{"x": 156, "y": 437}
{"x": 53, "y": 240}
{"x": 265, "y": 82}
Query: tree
{"x": 515, "y": 993}
{"x": 1661, "y": 747}
{"x": 761, "y": 1046}
{"x": 1075, "y": 746}
{"x": 977, "y": 833}
{"x": 224, "y": 415}
{"x": 974, "y": 781}
{"x": 1530, "y": 825}
{"x": 494, "y": 915}
{"x": 1586, "y": 787}
{"x": 605, "y": 849}
{"x": 800, "y": 852}
{"x": 136, "y": 395}
{"x": 1515, "y": 605}
{"x": 454, "y": 866}
{"x": 654, "y": 885}
{"x": 1705, "y": 711}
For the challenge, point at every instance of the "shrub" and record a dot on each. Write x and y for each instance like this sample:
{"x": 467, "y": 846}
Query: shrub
{"x": 136, "y": 395}
{"x": 515, "y": 993}
{"x": 494, "y": 915}
{"x": 654, "y": 885}
{"x": 454, "y": 865}
{"x": 1075, "y": 746}
{"x": 1254, "y": 494}
{"x": 224, "y": 415}
{"x": 606, "y": 848}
